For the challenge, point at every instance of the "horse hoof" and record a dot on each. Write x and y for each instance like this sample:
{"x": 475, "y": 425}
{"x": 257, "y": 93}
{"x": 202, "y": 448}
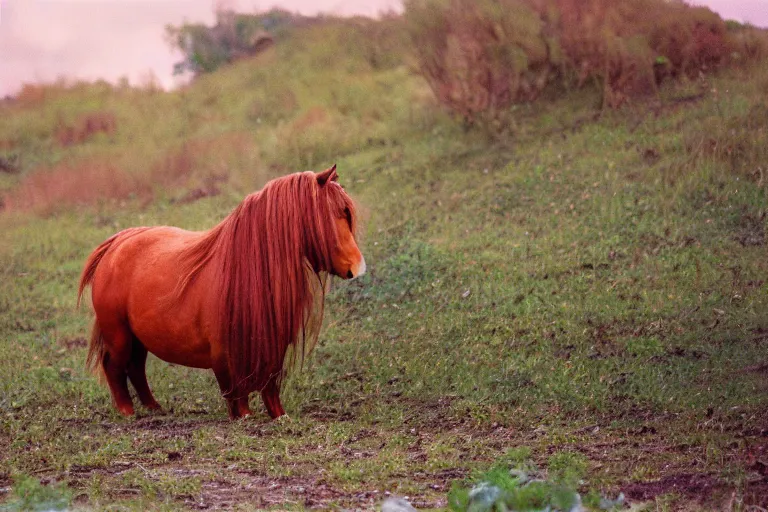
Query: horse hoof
{"x": 126, "y": 411}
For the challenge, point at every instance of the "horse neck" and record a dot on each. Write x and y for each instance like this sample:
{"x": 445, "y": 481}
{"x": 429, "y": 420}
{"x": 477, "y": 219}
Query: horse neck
{"x": 266, "y": 297}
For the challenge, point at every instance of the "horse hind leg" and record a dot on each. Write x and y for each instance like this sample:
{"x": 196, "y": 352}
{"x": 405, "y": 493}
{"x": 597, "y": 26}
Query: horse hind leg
{"x": 137, "y": 374}
{"x": 115, "y": 359}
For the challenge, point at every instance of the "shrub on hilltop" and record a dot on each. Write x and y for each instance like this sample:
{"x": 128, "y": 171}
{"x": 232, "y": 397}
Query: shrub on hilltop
{"x": 481, "y": 57}
{"x": 235, "y": 35}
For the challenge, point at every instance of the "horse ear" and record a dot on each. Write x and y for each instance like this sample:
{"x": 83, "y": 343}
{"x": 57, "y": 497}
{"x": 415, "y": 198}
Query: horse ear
{"x": 327, "y": 175}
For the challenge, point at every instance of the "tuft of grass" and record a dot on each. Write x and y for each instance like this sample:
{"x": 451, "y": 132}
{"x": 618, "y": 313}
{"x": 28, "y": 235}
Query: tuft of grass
{"x": 522, "y": 488}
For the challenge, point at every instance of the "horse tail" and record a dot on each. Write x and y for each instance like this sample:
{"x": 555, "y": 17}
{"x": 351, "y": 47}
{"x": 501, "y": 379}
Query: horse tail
{"x": 92, "y": 263}
{"x": 95, "y": 349}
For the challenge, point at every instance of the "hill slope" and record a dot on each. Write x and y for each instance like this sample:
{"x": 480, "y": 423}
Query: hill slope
{"x": 595, "y": 284}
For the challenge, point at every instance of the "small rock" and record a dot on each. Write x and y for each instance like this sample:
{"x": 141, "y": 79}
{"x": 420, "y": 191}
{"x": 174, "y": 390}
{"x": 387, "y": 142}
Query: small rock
{"x": 483, "y": 496}
{"x": 396, "y": 505}
{"x": 608, "y": 504}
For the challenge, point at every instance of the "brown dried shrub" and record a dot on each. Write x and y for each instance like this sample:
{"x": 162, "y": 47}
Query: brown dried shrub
{"x": 32, "y": 94}
{"x": 692, "y": 39}
{"x": 479, "y": 57}
{"x": 50, "y": 189}
{"x": 85, "y": 128}
{"x": 629, "y": 47}
{"x": 748, "y": 44}
{"x": 602, "y": 43}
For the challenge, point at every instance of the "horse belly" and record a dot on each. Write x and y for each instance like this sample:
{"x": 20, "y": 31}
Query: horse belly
{"x": 170, "y": 327}
{"x": 173, "y": 343}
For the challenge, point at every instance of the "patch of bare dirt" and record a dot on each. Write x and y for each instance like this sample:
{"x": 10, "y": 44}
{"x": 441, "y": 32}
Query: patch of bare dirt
{"x": 756, "y": 368}
{"x": 9, "y": 164}
{"x": 165, "y": 427}
{"x": 73, "y": 343}
{"x": 751, "y": 231}
{"x": 5, "y": 484}
{"x": 704, "y": 489}
{"x": 687, "y": 485}
{"x": 650, "y": 156}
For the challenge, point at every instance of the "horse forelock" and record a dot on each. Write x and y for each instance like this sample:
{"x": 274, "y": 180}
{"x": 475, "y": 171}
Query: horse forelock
{"x": 269, "y": 255}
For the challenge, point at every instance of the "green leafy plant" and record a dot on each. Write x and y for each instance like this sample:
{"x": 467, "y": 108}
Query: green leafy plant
{"x": 30, "y": 494}
{"x": 522, "y": 488}
{"x": 233, "y": 36}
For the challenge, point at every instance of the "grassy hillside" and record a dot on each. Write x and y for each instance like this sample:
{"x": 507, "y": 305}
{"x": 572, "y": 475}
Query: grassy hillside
{"x": 590, "y": 288}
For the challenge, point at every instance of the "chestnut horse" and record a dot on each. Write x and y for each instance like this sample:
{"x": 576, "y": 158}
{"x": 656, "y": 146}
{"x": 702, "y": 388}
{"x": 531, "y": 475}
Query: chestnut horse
{"x": 236, "y": 298}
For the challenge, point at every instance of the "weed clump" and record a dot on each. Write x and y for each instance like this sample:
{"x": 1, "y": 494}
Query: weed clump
{"x": 524, "y": 488}
{"x": 29, "y": 494}
{"x": 739, "y": 144}
{"x": 85, "y": 128}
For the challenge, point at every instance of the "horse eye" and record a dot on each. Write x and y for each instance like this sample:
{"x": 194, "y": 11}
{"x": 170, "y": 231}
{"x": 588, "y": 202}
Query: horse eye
{"x": 348, "y": 215}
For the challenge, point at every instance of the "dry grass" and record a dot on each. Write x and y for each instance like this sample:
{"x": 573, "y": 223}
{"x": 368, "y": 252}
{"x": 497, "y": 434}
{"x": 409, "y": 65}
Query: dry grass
{"x": 48, "y": 190}
{"x": 481, "y": 57}
{"x": 35, "y": 95}
{"x": 314, "y": 137}
{"x": 738, "y": 145}
{"x": 85, "y": 128}
{"x": 91, "y": 180}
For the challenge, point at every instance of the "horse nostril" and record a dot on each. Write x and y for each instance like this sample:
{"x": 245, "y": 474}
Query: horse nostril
{"x": 349, "y": 274}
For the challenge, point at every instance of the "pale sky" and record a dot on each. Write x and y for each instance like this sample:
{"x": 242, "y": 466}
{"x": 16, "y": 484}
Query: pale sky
{"x": 41, "y": 40}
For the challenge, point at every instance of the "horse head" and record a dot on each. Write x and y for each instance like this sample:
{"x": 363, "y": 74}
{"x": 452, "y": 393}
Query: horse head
{"x": 346, "y": 260}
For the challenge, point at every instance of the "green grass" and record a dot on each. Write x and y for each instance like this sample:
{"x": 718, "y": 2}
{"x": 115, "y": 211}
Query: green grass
{"x": 589, "y": 294}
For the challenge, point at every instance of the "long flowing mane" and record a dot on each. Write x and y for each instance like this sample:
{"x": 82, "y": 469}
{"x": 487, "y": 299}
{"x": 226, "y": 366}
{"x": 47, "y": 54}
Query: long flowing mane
{"x": 269, "y": 257}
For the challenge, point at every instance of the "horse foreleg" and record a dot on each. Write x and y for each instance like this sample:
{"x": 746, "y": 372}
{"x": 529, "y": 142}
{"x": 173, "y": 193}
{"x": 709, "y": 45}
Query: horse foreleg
{"x": 271, "y": 397}
{"x": 237, "y": 406}
{"x": 137, "y": 373}
{"x": 115, "y": 360}
{"x": 242, "y": 406}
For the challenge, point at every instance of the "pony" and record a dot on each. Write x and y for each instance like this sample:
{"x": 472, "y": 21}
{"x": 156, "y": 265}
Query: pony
{"x": 244, "y": 298}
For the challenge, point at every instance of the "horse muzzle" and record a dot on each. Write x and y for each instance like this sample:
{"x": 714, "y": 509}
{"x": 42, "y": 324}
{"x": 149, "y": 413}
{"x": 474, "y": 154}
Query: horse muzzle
{"x": 357, "y": 270}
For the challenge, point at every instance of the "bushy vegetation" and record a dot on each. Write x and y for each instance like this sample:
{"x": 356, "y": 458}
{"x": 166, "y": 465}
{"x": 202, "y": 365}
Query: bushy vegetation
{"x": 481, "y": 57}
{"x": 234, "y": 36}
{"x": 29, "y": 495}
{"x": 522, "y": 487}
{"x": 588, "y": 292}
